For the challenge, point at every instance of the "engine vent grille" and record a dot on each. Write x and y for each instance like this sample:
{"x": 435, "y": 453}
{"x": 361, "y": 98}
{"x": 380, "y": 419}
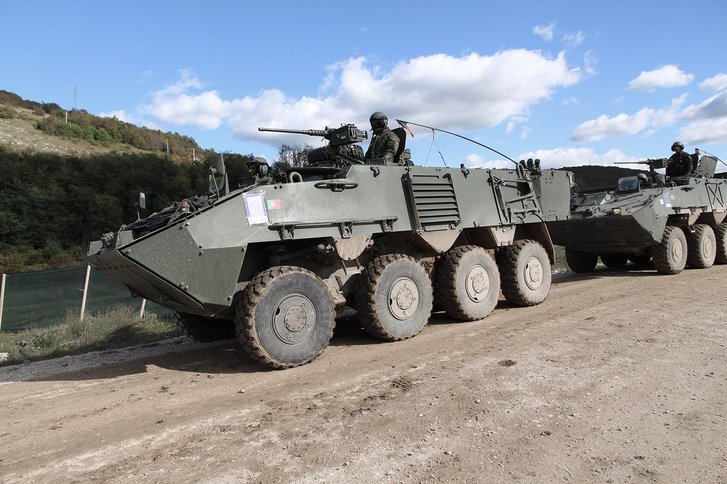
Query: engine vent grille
{"x": 432, "y": 201}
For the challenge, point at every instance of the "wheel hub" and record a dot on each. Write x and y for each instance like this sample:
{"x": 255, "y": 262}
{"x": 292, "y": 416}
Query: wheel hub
{"x": 707, "y": 248}
{"x": 294, "y": 319}
{"x": 533, "y": 273}
{"x": 477, "y": 283}
{"x": 677, "y": 250}
{"x": 403, "y": 298}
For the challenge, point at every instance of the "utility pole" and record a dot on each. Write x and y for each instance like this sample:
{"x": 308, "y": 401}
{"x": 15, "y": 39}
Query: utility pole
{"x": 167, "y": 143}
{"x": 75, "y": 97}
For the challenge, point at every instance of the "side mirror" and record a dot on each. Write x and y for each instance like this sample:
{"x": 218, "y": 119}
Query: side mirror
{"x": 140, "y": 204}
{"x": 218, "y": 177}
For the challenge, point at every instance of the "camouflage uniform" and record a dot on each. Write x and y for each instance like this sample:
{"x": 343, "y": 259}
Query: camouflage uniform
{"x": 680, "y": 164}
{"x": 382, "y": 148}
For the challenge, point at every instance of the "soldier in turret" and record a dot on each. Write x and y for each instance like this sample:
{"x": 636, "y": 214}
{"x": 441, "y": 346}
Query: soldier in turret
{"x": 384, "y": 143}
{"x": 680, "y": 163}
{"x": 259, "y": 168}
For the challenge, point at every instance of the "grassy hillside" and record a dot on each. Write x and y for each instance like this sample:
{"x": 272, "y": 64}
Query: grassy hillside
{"x": 33, "y": 127}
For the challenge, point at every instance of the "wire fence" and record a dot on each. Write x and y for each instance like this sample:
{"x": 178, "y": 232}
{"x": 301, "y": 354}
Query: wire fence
{"x": 45, "y": 298}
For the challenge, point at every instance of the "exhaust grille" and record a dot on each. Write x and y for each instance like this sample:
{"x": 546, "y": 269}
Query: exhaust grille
{"x": 432, "y": 200}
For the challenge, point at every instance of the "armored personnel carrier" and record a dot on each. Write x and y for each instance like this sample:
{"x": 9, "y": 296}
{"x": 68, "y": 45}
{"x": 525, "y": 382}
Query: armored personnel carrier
{"x": 274, "y": 261}
{"x": 675, "y": 222}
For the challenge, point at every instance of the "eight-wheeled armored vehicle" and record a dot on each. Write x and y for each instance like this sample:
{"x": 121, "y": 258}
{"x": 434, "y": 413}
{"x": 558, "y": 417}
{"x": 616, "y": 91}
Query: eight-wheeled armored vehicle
{"x": 274, "y": 261}
{"x": 675, "y": 222}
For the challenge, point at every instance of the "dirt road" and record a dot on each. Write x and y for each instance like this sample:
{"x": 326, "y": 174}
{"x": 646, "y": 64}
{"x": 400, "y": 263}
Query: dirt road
{"x": 617, "y": 377}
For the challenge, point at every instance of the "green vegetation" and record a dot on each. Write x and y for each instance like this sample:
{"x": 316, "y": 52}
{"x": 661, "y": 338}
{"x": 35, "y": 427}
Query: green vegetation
{"x": 79, "y": 124}
{"x": 116, "y": 328}
{"x": 53, "y": 205}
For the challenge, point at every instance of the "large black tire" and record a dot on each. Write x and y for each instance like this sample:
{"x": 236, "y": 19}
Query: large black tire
{"x": 467, "y": 283}
{"x": 720, "y": 233}
{"x": 203, "y": 329}
{"x": 615, "y": 261}
{"x": 394, "y": 297}
{"x": 670, "y": 255}
{"x": 285, "y": 317}
{"x": 701, "y": 245}
{"x": 580, "y": 262}
{"x": 525, "y": 272}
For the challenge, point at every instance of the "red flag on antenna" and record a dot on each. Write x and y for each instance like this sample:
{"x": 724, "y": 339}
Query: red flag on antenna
{"x": 403, "y": 124}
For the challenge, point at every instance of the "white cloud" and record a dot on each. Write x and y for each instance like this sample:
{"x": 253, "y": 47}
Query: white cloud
{"x": 475, "y": 160}
{"x": 562, "y": 157}
{"x": 468, "y": 92}
{"x": 589, "y": 63}
{"x": 574, "y": 39}
{"x": 706, "y": 121}
{"x": 665, "y": 76}
{"x": 712, "y": 130}
{"x": 545, "y": 31}
{"x": 716, "y": 83}
{"x": 619, "y": 125}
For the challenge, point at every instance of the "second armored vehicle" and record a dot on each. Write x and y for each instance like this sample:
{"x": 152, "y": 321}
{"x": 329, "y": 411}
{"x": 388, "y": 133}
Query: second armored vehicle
{"x": 675, "y": 222}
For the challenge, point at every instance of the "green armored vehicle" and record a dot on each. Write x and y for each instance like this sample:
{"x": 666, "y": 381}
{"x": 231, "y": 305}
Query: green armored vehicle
{"x": 675, "y": 222}
{"x": 274, "y": 261}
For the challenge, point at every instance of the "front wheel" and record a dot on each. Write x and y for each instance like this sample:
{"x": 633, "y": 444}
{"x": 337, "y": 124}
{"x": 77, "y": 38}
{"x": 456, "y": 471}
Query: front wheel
{"x": 670, "y": 255}
{"x": 525, "y": 272}
{"x": 285, "y": 317}
{"x": 394, "y": 298}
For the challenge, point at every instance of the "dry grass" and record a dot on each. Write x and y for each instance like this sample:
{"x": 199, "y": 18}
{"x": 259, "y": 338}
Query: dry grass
{"x": 115, "y": 328}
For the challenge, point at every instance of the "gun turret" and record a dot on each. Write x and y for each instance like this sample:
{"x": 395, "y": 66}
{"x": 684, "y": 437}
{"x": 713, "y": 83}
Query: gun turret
{"x": 654, "y": 163}
{"x": 342, "y": 148}
{"x": 345, "y": 135}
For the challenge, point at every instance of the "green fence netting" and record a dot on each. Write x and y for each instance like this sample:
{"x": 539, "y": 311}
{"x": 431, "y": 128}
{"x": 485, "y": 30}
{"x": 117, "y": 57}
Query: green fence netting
{"x": 44, "y": 298}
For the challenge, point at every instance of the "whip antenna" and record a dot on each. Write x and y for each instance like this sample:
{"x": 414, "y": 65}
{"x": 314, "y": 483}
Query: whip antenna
{"x": 405, "y": 123}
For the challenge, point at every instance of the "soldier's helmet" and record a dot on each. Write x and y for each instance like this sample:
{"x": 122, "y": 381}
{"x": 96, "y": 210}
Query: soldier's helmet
{"x": 677, "y": 144}
{"x": 378, "y": 122}
{"x": 258, "y": 165}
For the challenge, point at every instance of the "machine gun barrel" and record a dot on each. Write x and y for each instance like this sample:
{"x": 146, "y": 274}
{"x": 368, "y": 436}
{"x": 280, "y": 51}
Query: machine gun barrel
{"x": 309, "y": 132}
{"x": 653, "y": 163}
{"x": 346, "y": 134}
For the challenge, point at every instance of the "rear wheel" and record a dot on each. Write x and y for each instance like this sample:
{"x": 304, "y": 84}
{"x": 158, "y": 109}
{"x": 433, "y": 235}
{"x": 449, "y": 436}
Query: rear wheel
{"x": 285, "y": 317}
{"x": 701, "y": 246}
{"x": 467, "y": 283}
{"x": 670, "y": 255}
{"x": 579, "y": 261}
{"x": 614, "y": 261}
{"x": 203, "y": 329}
{"x": 525, "y": 272}
{"x": 720, "y": 233}
{"x": 394, "y": 298}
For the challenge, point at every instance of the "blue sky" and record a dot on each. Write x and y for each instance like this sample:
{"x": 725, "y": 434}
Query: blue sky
{"x": 570, "y": 82}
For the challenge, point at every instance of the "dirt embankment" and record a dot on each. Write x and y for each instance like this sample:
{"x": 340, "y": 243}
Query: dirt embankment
{"x": 617, "y": 377}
